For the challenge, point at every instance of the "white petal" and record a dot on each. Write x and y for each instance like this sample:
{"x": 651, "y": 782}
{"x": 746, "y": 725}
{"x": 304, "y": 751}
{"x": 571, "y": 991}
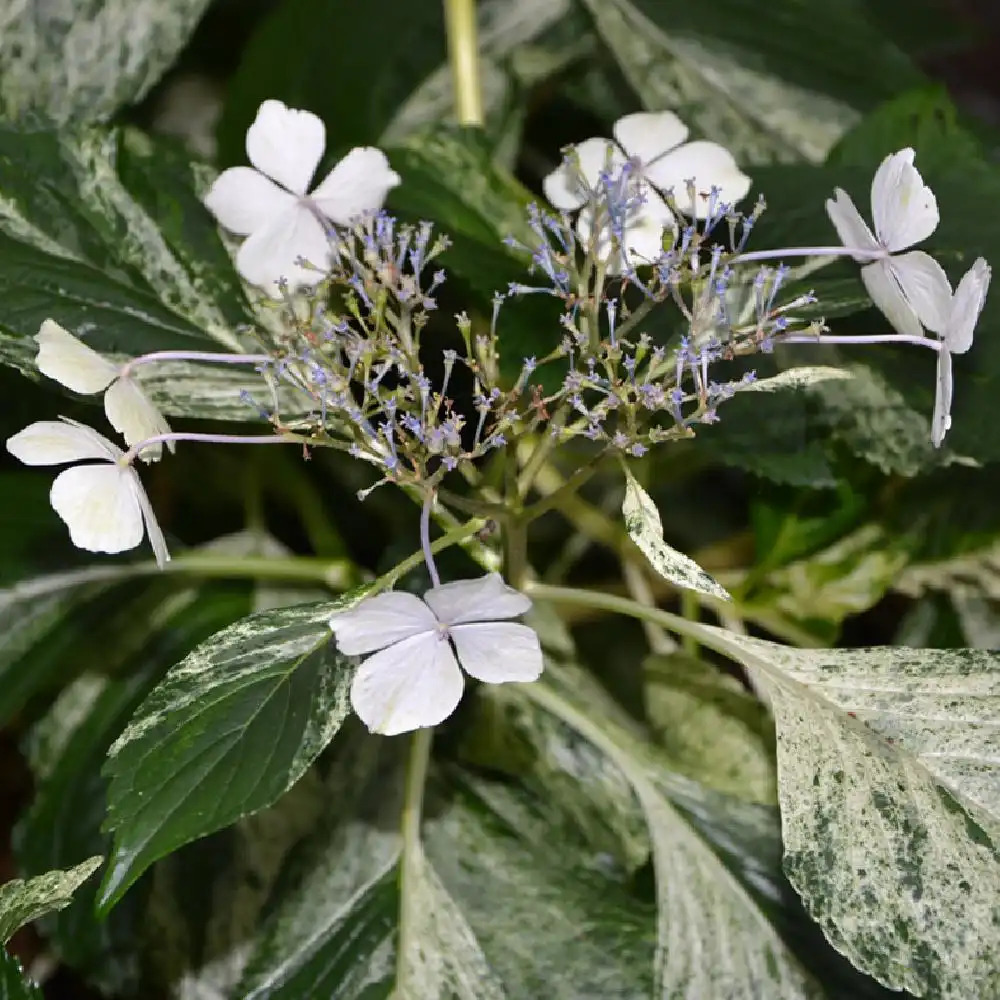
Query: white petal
{"x": 53, "y": 442}
{"x": 943, "y": 390}
{"x": 243, "y": 200}
{"x": 70, "y": 362}
{"x": 970, "y": 296}
{"x": 925, "y": 286}
{"x": 711, "y": 165}
{"x": 100, "y": 507}
{"x": 904, "y": 209}
{"x": 496, "y": 652}
{"x": 156, "y": 539}
{"x": 357, "y": 185}
{"x": 286, "y": 144}
{"x": 486, "y": 598}
{"x": 413, "y": 684}
{"x": 647, "y": 135}
{"x": 379, "y": 621}
{"x": 132, "y": 414}
{"x": 271, "y": 252}
{"x": 851, "y": 228}
{"x": 568, "y": 187}
{"x": 889, "y": 299}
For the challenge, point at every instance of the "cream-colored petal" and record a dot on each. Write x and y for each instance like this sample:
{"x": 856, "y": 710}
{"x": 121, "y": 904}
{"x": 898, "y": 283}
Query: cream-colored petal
{"x": 156, "y": 539}
{"x": 649, "y": 135}
{"x": 569, "y": 186}
{"x": 243, "y": 200}
{"x": 70, "y": 362}
{"x": 133, "y": 415}
{"x": 357, "y": 185}
{"x": 904, "y": 209}
{"x": 970, "y": 297}
{"x": 100, "y": 507}
{"x": 379, "y": 621}
{"x": 497, "y": 652}
{"x": 710, "y": 165}
{"x": 286, "y": 144}
{"x": 55, "y": 442}
{"x": 486, "y": 598}
{"x": 851, "y": 228}
{"x": 943, "y": 391}
{"x": 272, "y": 252}
{"x": 889, "y": 299}
{"x": 925, "y": 285}
{"x": 412, "y": 684}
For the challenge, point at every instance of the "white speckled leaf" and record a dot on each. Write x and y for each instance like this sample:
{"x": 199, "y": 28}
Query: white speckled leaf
{"x": 642, "y": 522}
{"x": 83, "y": 61}
{"x": 24, "y": 900}
{"x": 710, "y": 727}
{"x": 713, "y": 940}
{"x": 229, "y": 729}
{"x": 889, "y": 781}
{"x": 103, "y": 231}
{"x": 758, "y": 117}
{"x": 798, "y": 378}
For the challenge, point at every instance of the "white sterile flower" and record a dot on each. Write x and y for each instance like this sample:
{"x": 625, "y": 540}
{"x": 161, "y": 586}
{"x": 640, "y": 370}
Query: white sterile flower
{"x": 652, "y": 143}
{"x": 963, "y": 312}
{"x": 71, "y": 363}
{"x": 104, "y": 505}
{"x": 909, "y": 288}
{"x": 269, "y": 204}
{"x": 413, "y": 679}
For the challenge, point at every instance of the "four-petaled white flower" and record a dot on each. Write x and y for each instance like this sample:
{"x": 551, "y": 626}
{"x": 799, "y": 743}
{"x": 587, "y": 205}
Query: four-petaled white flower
{"x": 104, "y": 505}
{"x": 909, "y": 288}
{"x": 652, "y": 145}
{"x": 71, "y": 363}
{"x": 269, "y": 205}
{"x": 963, "y": 311}
{"x": 414, "y": 680}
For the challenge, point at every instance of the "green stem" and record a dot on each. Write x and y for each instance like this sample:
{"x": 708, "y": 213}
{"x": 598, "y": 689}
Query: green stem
{"x": 411, "y": 860}
{"x": 691, "y": 609}
{"x": 559, "y": 496}
{"x": 463, "y": 53}
{"x": 704, "y": 634}
{"x": 515, "y": 533}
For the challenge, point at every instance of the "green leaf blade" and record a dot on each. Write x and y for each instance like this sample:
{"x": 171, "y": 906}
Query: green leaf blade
{"x": 231, "y": 728}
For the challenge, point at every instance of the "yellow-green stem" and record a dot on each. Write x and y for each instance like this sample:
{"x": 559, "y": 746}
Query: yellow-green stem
{"x": 463, "y": 53}
{"x": 412, "y": 859}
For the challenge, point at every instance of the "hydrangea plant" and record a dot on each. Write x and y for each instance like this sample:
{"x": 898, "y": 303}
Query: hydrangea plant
{"x": 362, "y": 332}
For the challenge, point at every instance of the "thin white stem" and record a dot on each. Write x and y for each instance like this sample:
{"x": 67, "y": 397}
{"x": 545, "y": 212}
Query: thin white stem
{"x": 215, "y": 357}
{"x": 886, "y": 338}
{"x": 425, "y": 538}
{"x": 876, "y": 254}
{"x": 134, "y": 451}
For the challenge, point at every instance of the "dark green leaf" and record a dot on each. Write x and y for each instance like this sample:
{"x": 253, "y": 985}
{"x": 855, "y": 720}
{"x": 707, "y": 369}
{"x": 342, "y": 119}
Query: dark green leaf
{"x": 68, "y": 749}
{"x": 353, "y": 66}
{"x": 13, "y": 984}
{"x": 231, "y": 728}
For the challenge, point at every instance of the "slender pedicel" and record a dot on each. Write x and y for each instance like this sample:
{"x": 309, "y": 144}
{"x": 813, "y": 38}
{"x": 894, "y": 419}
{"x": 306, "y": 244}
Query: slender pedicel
{"x": 877, "y": 338}
{"x": 425, "y": 538}
{"x": 877, "y": 254}
{"x": 134, "y": 451}
{"x": 212, "y": 356}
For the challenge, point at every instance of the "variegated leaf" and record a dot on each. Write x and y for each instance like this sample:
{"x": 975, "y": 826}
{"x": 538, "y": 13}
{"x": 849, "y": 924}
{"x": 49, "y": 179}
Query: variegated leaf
{"x": 889, "y": 781}
{"x": 82, "y": 62}
{"x": 642, "y": 522}
{"x": 23, "y": 900}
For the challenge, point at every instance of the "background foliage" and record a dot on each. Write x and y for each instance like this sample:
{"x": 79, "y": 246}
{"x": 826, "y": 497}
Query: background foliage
{"x": 616, "y": 830}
